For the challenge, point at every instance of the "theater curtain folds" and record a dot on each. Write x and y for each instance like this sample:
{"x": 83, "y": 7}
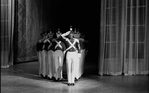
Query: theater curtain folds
{"x": 124, "y": 37}
{"x": 7, "y": 31}
{"x": 22, "y": 22}
{"x": 29, "y": 25}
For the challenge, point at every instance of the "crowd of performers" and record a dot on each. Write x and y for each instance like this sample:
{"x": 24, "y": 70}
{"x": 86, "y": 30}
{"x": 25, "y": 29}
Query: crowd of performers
{"x": 54, "y": 48}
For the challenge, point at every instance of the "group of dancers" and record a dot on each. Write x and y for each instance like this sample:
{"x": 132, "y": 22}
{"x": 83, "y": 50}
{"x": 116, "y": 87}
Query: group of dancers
{"x": 52, "y": 51}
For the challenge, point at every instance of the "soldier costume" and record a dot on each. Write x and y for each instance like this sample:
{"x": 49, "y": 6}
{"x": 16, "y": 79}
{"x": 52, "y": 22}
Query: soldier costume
{"x": 49, "y": 65}
{"x": 44, "y": 55}
{"x": 72, "y": 49}
{"x": 39, "y": 52}
{"x": 59, "y": 47}
{"x": 78, "y": 62}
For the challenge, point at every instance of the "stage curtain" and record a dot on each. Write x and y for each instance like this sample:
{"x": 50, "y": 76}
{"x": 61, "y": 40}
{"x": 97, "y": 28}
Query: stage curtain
{"x": 6, "y": 33}
{"x": 136, "y": 37}
{"x": 29, "y": 25}
{"x": 124, "y": 37}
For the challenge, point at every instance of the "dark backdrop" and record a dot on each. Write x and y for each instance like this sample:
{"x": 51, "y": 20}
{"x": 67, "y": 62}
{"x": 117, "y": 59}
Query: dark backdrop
{"x": 36, "y": 16}
{"x": 81, "y": 14}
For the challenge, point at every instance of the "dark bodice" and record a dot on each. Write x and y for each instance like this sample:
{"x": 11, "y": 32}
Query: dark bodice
{"x": 58, "y": 45}
{"x": 39, "y": 46}
{"x": 47, "y": 45}
{"x": 67, "y": 43}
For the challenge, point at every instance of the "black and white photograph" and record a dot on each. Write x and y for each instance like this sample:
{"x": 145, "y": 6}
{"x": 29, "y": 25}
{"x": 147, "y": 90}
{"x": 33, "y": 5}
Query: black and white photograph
{"x": 74, "y": 46}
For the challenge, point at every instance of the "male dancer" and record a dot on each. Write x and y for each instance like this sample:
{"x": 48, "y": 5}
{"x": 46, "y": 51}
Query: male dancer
{"x": 49, "y": 61}
{"x": 72, "y": 49}
{"x": 39, "y": 52}
{"x": 59, "y": 47}
{"x": 77, "y": 66}
{"x": 43, "y": 53}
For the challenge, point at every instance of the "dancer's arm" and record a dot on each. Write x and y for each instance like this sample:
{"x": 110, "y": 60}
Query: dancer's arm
{"x": 65, "y": 34}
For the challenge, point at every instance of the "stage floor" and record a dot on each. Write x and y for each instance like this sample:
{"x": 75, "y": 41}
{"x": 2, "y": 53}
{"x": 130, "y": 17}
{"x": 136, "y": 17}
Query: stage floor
{"x": 23, "y": 78}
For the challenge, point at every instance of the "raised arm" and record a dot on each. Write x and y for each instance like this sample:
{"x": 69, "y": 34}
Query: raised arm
{"x": 65, "y": 34}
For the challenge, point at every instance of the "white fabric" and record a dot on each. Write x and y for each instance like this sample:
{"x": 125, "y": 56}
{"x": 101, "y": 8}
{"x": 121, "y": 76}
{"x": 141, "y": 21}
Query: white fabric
{"x": 71, "y": 58}
{"x": 65, "y": 34}
{"x": 58, "y": 60}
{"x": 79, "y": 55}
{"x": 43, "y": 64}
{"x": 80, "y": 64}
{"x": 46, "y": 40}
{"x": 77, "y": 66}
{"x": 71, "y": 44}
{"x": 50, "y": 64}
{"x": 58, "y": 44}
{"x": 39, "y": 62}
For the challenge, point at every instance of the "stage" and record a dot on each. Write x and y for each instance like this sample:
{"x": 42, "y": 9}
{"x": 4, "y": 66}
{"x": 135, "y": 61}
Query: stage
{"x": 23, "y": 78}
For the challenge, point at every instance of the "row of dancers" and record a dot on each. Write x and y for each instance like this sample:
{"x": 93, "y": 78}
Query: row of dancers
{"x": 52, "y": 51}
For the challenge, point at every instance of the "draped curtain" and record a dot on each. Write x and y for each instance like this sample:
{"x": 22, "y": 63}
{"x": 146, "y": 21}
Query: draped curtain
{"x": 29, "y": 25}
{"x": 124, "y": 37}
{"x": 136, "y": 36}
{"x": 6, "y": 33}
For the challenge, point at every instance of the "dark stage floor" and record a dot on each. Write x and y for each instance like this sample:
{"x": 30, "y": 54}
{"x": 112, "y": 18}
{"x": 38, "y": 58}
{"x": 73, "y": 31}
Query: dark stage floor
{"x": 23, "y": 78}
